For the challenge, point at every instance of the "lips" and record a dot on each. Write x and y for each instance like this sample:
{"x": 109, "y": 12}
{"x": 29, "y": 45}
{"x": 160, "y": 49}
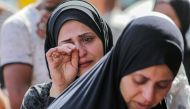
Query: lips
{"x": 84, "y": 64}
{"x": 142, "y": 106}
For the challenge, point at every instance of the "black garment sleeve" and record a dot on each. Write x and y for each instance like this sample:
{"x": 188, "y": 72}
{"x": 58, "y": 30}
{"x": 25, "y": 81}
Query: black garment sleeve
{"x": 36, "y": 97}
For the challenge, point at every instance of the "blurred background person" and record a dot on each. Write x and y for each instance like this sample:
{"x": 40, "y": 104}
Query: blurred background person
{"x": 115, "y": 12}
{"x": 104, "y": 6}
{"x": 123, "y": 12}
{"x": 4, "y": 102}
{"x": 4, "y": 14}
{"x": 179, "y": 12}
{"x": 108, "y": 9}
{"x": 22, "y": 49}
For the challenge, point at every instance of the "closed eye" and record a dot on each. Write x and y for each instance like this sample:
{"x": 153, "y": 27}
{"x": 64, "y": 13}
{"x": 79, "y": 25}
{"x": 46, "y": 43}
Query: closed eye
{"x": 140, "y": 80}
{"x": 164, "y": 84}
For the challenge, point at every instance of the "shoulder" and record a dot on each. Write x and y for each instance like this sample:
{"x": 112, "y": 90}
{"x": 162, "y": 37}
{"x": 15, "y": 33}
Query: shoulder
{"x": 19, "y": 18}
{"x": 36, "y": 96}
{"x": 14, "y": 22}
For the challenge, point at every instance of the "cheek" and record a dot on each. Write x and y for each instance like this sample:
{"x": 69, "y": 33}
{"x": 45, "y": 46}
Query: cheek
{"x": 128, "y": 90}
{"x": 177, "y": 22}
{"x": 161, "y": 94}
{"x": 96, "y": 50}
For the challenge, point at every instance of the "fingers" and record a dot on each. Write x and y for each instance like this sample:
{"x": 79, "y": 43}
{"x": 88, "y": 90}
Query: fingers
{"x": 66, "y": 48}
{"x": 63, "y": 63}
{"x": 62, "y": 53}
{"x": 49, "y": 54}
{"x": 75, "y": 58}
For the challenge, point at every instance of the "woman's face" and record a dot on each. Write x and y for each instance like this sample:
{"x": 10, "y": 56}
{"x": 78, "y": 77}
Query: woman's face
{"x": 145, "y": 88}
{"x": 89, "y": 44}
{"x": 167, "y": 9}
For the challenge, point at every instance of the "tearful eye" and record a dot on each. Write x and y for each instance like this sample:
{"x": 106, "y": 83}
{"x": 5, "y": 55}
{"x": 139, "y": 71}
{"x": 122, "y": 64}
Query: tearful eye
{"x": 87, "y": 39}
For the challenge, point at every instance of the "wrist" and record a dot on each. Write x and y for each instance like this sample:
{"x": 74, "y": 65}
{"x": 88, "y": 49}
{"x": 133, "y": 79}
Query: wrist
{"x": 56, "y": 90}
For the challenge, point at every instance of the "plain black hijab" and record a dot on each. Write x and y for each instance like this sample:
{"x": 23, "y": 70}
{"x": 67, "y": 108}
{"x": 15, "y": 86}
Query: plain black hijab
{"x": 146, "y": 41}
{"x": 80, "y": 11}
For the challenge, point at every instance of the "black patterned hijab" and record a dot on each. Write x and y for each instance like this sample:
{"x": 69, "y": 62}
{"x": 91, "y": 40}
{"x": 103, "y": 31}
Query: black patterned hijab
{"x": 80, "y": 11}
{"x": 146, "y": 41}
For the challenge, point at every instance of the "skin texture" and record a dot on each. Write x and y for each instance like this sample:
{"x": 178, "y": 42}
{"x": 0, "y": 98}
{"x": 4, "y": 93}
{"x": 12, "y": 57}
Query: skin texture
{"x": 103, "y": 6}
{"x": 4, "y": 101}
{"x": 146, "y": 87}
{"x": 77, "y": 51}
{"x": 166, "y": 9}
{"x": 51, "y": 4}
{"x": 17, "y": 80}
{"x": 18, "y": 77}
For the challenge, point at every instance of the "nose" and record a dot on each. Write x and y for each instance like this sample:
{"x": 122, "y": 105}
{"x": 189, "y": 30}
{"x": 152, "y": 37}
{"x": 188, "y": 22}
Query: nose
{"x": 82, "y": 50}
{"x": 149, "y": 95}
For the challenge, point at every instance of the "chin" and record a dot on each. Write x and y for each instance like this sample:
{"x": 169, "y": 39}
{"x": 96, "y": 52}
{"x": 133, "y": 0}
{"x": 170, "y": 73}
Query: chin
{"x": 135, "y": 106}
{"x": 83, "y": 71}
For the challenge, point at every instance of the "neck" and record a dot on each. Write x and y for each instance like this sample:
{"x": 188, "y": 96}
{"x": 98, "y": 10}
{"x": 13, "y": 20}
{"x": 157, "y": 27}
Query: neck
{"x": 104, "y": 7}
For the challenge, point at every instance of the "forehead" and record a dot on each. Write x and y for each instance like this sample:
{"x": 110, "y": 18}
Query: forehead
{"x": 165, "y": 8}
{"x": 73, "y": 28}
{"x": 72, "y": 21}
{"x": 74, "y": 25}
{"x": 156, "y": 72}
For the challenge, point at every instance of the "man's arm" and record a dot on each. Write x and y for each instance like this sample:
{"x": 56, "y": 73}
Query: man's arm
{"x": 17, "y": 80}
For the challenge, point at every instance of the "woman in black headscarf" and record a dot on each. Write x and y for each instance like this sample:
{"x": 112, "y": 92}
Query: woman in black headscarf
{"x": 75, "y": 32}
{"x": 179, "y": 12}
{"x": 146, "y": 58}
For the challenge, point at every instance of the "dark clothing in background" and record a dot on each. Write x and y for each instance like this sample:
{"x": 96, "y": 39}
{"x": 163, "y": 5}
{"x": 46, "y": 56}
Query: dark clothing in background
{"x": 2, "y": 78}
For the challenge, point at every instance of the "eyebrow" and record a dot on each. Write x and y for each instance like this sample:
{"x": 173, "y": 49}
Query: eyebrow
{"x": 87, "y": 33}
{"x": 81, "y": 35}
{"x": 65, "y": 41}
{"x": 165, "y": 80}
